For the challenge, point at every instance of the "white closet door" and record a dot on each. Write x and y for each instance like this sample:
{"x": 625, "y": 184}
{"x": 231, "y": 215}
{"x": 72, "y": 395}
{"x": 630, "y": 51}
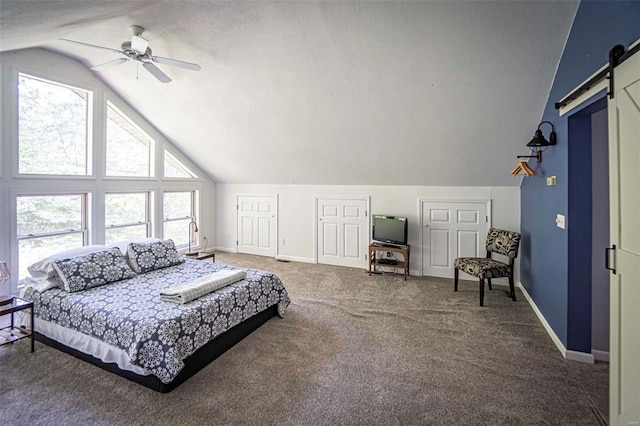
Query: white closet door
{"x": 343, "y": 232}
{"x": 451, "y": 230}
{"x": 257, "y": 225}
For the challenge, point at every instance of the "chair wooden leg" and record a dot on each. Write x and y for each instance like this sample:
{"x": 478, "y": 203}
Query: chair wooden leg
{"x": 489, "y": 282}
{"x": 512, "y": 288}
{"x": 481, "y": 291}
{"x": 455, "y": 279}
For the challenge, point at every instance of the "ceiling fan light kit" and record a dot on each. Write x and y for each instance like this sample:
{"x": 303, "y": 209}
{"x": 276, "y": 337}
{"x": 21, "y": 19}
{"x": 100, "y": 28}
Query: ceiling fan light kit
{"x": 139, "y": 45}
{"x": 138, "y": 50}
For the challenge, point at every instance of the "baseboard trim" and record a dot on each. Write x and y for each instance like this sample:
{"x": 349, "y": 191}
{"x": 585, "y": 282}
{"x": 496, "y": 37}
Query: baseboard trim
{"x": 543, "y": 320}
{"x": 587, "y": 358}
{"x": 567, "y": 354}
{"x": 600, "y": 355}
{"x": 295, "y": 259}
{"x": 227, "y": 249}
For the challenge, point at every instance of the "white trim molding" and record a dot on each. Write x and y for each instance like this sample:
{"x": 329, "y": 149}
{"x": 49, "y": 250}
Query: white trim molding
{"x": 295, "y": 259}
{"x": 227, "y": 249}
{"x": 580, "y": 357}
{"x": 597, "y": 87}
{"x": 567, "y": 354}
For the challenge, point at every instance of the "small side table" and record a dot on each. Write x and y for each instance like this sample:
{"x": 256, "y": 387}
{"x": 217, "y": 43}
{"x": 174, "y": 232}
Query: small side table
{"x": 8, "y": 306}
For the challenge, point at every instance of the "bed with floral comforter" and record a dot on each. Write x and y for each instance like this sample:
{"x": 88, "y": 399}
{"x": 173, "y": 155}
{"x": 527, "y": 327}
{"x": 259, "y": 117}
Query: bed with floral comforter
{"x": 157, "y": 335}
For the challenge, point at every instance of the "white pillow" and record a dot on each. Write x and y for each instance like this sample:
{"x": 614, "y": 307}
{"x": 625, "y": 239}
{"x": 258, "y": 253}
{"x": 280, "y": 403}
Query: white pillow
{"x": 43, "y": 269}
{"x": 40, "y": 286}
{"x": 122, "y": 245}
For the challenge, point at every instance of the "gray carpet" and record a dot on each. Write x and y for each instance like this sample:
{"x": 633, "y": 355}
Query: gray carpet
{"x": 353, "y": 349}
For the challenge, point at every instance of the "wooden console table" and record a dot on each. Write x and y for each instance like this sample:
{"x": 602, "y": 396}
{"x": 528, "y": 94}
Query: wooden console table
{"x": 374, "y": 260}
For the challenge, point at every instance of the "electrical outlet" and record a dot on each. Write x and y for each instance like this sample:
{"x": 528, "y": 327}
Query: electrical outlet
{"x": 228, "y": 236}
{"x": 283, "y": 241}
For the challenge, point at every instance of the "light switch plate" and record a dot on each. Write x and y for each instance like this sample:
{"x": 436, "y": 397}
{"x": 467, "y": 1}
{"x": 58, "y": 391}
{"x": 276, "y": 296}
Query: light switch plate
{"x": 560, "y": 221}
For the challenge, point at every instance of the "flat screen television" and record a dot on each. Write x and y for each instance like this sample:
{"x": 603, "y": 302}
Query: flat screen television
{"x": 390, "y": 229}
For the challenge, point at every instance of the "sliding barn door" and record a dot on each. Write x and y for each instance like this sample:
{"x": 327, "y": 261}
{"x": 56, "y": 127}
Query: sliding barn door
{"x": 624, "y": 177}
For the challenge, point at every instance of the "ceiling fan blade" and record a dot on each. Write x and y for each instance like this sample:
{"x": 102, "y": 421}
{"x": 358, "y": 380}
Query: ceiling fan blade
{"x": 176, "y": 63}
{"x": 156, "y": 72}
{"x": 110, "y": 64}
{"x": 93, "y": 45}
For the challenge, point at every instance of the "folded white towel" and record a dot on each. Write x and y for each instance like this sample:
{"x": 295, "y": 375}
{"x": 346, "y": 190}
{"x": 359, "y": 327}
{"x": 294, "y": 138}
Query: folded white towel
{"x": 184, "y": 293}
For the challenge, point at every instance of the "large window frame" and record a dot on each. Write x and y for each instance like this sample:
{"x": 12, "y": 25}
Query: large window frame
{"x": 148, "y": 222}
{"x": 89, "y": 129}
{"x": 92, "y": 184}
{"x": 168, "y": 157}
{"x": 192, "y": 217}
{"x": 85, "y": 222}
{"x": 124, "y": 120}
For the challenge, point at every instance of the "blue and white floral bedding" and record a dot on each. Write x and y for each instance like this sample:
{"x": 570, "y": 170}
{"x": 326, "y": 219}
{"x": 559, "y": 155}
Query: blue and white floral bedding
{"x": 159, "y": 335}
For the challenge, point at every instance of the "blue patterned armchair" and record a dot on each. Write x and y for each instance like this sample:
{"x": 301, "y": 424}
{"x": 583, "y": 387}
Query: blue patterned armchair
{"x": 498, "y": 241}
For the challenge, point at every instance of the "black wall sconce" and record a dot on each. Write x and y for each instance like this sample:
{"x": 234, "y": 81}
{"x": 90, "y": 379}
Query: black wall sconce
{"x": 539, "y": 144}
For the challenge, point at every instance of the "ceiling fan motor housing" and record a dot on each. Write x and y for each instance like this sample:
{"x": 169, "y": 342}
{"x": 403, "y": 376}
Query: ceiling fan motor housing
{"x": 129, "y": 51}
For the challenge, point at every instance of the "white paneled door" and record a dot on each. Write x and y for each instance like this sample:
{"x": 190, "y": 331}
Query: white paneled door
{"x": 624, "y": 178}
{"x": 257, "y": 218}
{"x": 343, "y": 232}
{"x": 451, "y": 230}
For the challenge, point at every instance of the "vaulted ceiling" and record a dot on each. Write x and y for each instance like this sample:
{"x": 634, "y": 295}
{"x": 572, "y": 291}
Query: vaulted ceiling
{"x": 326, "y": 92}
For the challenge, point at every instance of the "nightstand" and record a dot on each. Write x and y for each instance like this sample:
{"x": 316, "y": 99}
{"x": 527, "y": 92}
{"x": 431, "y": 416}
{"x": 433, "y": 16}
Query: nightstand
{"x": 9, "y": 306}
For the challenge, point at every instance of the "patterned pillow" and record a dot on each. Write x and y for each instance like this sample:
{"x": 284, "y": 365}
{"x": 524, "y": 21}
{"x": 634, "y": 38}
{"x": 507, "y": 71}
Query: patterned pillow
{"x": 92, "y": 270}
{"x": 145, "y": 257}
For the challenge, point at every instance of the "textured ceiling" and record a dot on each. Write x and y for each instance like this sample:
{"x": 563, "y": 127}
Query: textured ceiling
{"x": 397, "y": 93}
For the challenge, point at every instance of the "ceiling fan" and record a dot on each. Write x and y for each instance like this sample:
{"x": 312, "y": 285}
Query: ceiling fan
{"x": 138, "y": 50}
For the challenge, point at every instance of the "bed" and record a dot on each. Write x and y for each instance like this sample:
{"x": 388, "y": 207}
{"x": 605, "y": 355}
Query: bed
{"x": 124, "y": 327}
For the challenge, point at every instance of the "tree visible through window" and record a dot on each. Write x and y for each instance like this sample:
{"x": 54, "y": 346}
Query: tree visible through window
{"x": 173, "y": 168}
{"x": 126, "y": 216}
{"x": 129, "y": 149}
{"x": 52, "y": 128}
{"x": 48, "y": 224}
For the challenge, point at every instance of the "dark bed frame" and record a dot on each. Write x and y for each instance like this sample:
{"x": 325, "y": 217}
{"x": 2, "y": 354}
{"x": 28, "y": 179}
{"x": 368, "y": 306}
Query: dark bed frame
{"x": 194, "y": 363}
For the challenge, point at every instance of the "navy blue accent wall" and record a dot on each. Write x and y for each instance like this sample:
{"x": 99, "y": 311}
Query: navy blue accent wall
{"x": 546, "y": 262}
{"x": 580, "y": 232}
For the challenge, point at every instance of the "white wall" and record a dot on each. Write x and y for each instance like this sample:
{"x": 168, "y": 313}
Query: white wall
{"x": 49, "y": 65}
{"x": 296, "y": 211}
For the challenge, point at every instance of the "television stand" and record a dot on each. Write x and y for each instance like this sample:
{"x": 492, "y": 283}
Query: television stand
{"x": 374, "y": 260}
{"x": 386, "y": 245}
